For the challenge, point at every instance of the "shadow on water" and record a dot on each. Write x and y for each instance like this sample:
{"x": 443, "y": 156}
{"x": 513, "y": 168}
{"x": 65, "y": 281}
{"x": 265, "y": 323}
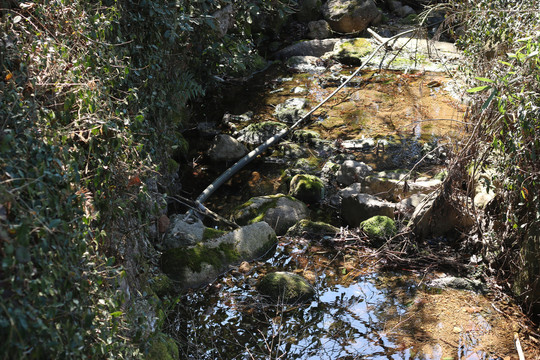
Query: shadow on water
{"x": 358, "y": 313}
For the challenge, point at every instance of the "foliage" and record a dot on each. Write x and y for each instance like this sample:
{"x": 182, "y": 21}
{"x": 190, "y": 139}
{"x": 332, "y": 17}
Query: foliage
{"x": 93, "y": 100}
{"x": 502, "y": 41}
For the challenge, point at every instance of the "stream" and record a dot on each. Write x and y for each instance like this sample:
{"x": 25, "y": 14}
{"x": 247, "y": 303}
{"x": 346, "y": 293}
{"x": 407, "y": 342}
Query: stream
{"x": 389, "y": 120}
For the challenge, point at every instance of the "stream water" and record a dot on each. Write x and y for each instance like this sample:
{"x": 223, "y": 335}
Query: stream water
{"x": 359, "y": 311}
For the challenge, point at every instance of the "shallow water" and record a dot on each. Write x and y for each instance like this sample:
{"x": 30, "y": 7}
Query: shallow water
{"x": 359, "y": 312}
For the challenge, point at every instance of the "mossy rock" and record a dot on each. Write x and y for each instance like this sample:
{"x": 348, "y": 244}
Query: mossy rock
{"x": 279, "y": 211}
{"x": 162, "y": 347}
{"x": 312, "y": 229}
{"x": 307, "y": 188}
{"x": 285, "y": 287}
{"x": 210, "y": 233}
{"x": 379, "y": 227}
{"x": 352, "y": 51}
{"x": 175, "y": 261}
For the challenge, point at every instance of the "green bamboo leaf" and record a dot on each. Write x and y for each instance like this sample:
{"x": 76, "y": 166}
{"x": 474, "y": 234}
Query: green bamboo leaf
{"x": 478, "y": 88}
{"x": 484, "y": 79}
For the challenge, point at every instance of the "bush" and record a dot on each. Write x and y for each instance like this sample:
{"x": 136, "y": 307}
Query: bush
{"x": 502, "y": 41}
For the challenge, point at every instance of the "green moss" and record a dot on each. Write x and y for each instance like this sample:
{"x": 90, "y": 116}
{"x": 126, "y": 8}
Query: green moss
{"x": 285, "y": 287}
{"x": 163, "y": 347}
{"x": 441, "y": 175}
{"x": 307, "y": 188}
{"x": 175, "y": 261}
{"x": 379, "y": 227}
{"x": 357, "y": 48}
{"x": 211, "y": 233}
{"x": 172, "y": 166}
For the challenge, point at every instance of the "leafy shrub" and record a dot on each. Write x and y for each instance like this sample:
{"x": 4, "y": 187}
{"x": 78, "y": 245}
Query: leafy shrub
{"x": 502, "y": 41}
{"x": 93, "y": 99}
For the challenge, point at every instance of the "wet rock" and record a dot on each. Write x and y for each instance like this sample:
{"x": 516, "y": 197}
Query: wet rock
{"x": 305, "y": 64}
{"x": 319, "y": 29}
{"x": 291, "y": 110}
{"x": 307, "y": 188}
{"x": 312, "y": 229}
{"x": 285, "y": 287}
{"x": 182, "y": 232}
{"x": 459, "y": 283}
{"x": 299, "y": 90}
{"x": 349, "y": 16}
{"x": 247, "y": 116}
{"x": 279, "y": 211}
{"x": 330, "y": 170}
{"x": 256, "y": 134}
{"x": 359, "y": 207}
{"x": 226, "y": 148}
{"x": 191, "y": 266}
{"x": 352, "y": 171}
{"x": 307, "y": 48}
{"x": 307, "y": 165}
{"x": 358, "y": 144}
{"x": 379, "y": 227}
{"x": 290, "y": 151}
{"x": 351, "y": 52}
{"x": 437, "y": 215}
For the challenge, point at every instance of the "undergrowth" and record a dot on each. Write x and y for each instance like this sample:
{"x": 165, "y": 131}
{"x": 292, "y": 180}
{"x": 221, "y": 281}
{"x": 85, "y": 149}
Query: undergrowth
{"x": 501, "y": 40}
{"x": 94, "y": 97}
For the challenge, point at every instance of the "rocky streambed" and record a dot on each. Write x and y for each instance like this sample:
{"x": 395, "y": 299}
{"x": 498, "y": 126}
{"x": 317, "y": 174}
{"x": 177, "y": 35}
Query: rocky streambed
{"x": 301, "y": 278}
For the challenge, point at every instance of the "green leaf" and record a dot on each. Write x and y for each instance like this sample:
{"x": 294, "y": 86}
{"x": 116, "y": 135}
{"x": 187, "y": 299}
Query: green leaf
{"x": 484, "y": 79}
{"x": 117, "y": 314}
{"x": 489, "y": 99}
{"x": 478, "y": 89}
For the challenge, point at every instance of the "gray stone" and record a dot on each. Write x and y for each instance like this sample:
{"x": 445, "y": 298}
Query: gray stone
{"x": 319, "y": 29}
{"x": 226, "y": 148}
{"x": 350, "y": 16}
{"x": 437, "y": 215}
{"x": 312, "y": 230}
{"x": 279, "y": 211}
{"x": 256, "y": 134}
{"x": 360, "y": 207}
{"x": 291, "y": 110}
{"x": 306, "y": 64}
{"x": 285, "y": 287}
{"x": 199, "y": 264}
{"x": 307, "y": 48}
{"x": 404, "y": 11}
{"x": 394, "y": 186}
{"x": 459, "y": 283}
{"x": 183, "y": 233}
{"x": 352, "y": 171}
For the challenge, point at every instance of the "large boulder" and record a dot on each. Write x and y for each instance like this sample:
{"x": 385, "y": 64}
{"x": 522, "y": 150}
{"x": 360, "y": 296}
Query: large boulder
{"x": 226, "y": 148}
{"x": 308, "y": 188}
{"x": 438, "y": 215}
{"x": 350, "y": 16}
{"x": 291, "y": 110}
{"x": 285, "y": 287}
{"x": 195, "y": 265}
{"x": 279, "y": 211}
{"x": 256, "y": 134}
{"x": 307, "y": 48}
{"x": 359, "y": 207}
{"x": 352, "y": 171}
